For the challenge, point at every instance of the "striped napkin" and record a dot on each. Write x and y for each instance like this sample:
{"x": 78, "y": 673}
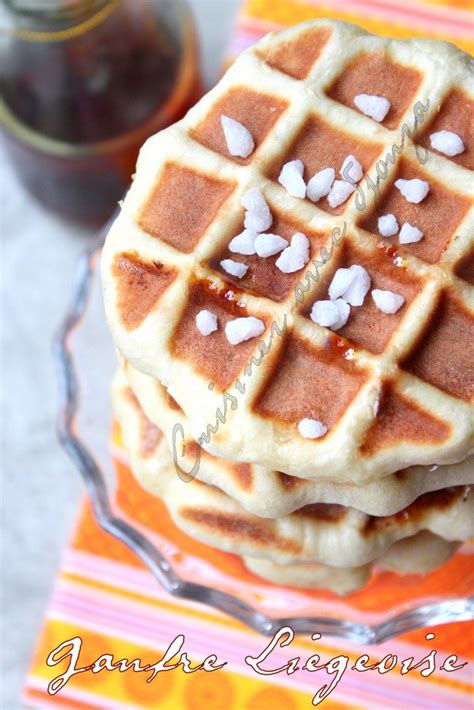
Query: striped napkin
{"x": 105, "y": 597}
{"x": 105, "y": 601}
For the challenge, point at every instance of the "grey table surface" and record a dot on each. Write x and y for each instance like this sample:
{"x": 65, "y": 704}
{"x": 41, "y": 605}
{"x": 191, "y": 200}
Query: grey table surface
{"x": 40, "y": 489}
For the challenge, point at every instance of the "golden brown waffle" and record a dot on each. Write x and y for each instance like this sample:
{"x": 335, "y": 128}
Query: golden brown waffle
{"x": 341, "y": 580}
{"x": 271, "y": 494}
{"x": 419, "y": 554}
{"x": 322, "y": 533}
{"x": 393, "y": 390}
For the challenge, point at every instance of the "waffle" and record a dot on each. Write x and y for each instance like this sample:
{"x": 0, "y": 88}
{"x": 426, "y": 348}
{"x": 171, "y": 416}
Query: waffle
{"x": 391, "y": 390}
{"x": 342, "y": 580}
{"x": 271, "y": 494}
{"x": 327, "y": 534}
{"x": 419, "y": 554}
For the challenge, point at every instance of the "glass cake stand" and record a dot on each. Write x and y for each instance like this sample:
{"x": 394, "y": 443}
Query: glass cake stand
{"x": 388, "y": 606}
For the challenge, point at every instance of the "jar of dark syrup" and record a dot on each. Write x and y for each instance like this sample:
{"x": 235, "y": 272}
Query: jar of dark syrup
{"x": 83, "y": 84}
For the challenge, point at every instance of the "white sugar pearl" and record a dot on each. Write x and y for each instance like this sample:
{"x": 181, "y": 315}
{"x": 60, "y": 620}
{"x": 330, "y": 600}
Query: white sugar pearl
{"x": 351, "y": 170}
{"x": 447, "y": 142}
{"x": 269, "y": 244}
{"x": 300, "y": 242}
{"x": 206, "y": 322}
{"x": 253, "y": 200}
{"x": 238, "y": 138}
{"x": 413, "y": 190}
{"x": 320, "y": 184}
{"x": 291, "y": 177}
{"x": 388, "y": 225}
{"x": 376, "y": 107}
{"x": 241, "y": 329}
{"x": 331, "y": 314}
{"x": 244, "y": 243}
{"x": 350, "y": 284}
{"x": 258, "y": 221}
{"x": 344, "y": 310}
{"x": 296, "y": 256}
{"x": 359, "y": 288}
{"x": 258, "y": 216}
{"x": 234, "y": 268}
{"x": 341, "y": 281}
{"x": 340, "y": 192}
{"x": 324, "y": 313}
{"x": 387, "y": 301}
{"x": 290, "y": 260}
{"x": 409, "y": 234}
{"x": 312, "y": 428}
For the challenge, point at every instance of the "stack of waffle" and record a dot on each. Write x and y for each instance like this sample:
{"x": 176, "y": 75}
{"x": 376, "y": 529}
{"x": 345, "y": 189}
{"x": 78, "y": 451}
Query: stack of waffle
{"x": 290, "y": 289}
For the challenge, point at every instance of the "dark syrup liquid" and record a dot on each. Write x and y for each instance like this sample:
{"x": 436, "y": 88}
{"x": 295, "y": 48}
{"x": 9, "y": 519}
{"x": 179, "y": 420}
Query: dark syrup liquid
{"x": 79, "y": 110}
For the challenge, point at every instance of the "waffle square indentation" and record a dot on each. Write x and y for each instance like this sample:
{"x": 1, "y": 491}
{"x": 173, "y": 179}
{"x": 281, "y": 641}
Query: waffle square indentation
{"x": 444, "y": 356}
{"x": 212, "y": 355}
{"x": 465, "y": 267}
{"x": 456, "y": 115}
{"x": 182, "y": 225}
{"x": 257, "y": 111}
{"x": 309, "y": 381}
{"x": 263, "y": 276}
{"x": 438, "y": 215}
{"x": 139, "y": 286}
{"x": 296, "y": 57}
{"x": 320, "y": 145}
{"x": 401, "y": 419}
{"x": 375, "y": 74}
{"x": 367, "y": 326}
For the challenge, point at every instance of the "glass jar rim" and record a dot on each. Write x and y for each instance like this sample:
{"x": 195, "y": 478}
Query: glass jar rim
{"x": 186, "y": 81}
{"x": 56, "y": 20}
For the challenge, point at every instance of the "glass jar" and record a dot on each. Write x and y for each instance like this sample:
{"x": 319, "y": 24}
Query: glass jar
{"x": 83, "y": 84}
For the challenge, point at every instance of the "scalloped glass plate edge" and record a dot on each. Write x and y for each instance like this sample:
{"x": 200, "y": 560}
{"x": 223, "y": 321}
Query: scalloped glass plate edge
{"x": 445, "y": 611}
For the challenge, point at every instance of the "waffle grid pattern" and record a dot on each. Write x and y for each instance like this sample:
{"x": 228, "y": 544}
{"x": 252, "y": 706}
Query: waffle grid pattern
{"x": 418, "y": 553}
{"x": 340, "y": 537}
{"x": 268, "y": 439}
{"x": 270, "y": 494}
